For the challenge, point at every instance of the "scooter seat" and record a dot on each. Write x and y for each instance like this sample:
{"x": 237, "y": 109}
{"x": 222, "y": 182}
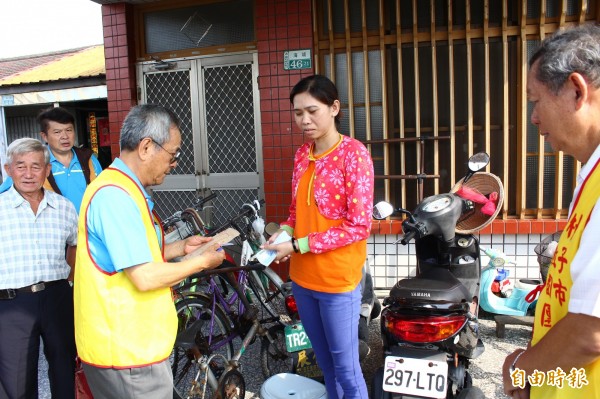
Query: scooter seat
{"x": 436, "y": 284}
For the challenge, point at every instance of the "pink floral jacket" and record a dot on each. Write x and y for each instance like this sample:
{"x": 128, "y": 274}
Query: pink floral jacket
{"x": 342, "y": 189}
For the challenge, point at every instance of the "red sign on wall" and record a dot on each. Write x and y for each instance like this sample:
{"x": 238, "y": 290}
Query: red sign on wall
{"x": 103, "y": 132}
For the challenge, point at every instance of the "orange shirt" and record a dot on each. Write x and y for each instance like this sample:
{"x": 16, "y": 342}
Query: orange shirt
{"x": 339, "y": 270}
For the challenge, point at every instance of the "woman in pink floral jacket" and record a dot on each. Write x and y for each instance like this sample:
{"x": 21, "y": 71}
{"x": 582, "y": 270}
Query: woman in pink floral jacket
{"x": 329, "y": 221}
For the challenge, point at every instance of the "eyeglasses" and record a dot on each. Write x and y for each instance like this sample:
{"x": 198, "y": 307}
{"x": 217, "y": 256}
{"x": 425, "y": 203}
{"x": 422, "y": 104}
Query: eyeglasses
{"x": 174, "y": 156}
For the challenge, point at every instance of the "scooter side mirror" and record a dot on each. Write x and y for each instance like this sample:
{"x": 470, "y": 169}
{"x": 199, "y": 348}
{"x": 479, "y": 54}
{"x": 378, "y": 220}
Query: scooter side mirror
{"x": 476, "y": 163}
{"x": 382, "y": 209}
{"x": 271, "y": 228}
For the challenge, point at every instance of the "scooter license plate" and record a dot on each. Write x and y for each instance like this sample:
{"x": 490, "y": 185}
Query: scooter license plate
{"x": 296, "y": 338}
{"x": 419, "y": 377}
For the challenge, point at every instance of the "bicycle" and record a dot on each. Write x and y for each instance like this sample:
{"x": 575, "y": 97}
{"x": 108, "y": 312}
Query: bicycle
{"x": 188, "y": 222}
{"x": 203, "y": 357}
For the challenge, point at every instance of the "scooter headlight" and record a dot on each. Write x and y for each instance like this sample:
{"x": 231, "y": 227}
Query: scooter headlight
{"x": 498, "y": 262}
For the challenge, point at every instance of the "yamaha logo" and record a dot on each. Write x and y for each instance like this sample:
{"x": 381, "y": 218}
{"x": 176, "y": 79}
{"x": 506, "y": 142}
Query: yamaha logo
{"x": 421, "y": 294}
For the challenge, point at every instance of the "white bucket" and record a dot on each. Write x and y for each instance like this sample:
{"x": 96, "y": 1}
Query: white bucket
{"x": 292, "y": 386}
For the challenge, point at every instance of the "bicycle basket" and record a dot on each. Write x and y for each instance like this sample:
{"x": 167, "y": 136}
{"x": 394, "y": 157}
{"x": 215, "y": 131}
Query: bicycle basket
{"x": 544, "y": 258}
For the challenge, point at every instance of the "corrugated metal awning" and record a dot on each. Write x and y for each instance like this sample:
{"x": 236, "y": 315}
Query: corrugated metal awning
{"x": 85, "y": 63}
{"x": 55, "y": 96}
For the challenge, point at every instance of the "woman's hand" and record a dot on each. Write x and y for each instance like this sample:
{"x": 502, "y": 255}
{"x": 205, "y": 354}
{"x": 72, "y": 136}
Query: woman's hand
{"x": 274, "y": 236}
{"x": 284, "y": 250}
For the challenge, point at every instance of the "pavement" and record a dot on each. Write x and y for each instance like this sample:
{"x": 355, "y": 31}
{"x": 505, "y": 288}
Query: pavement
{"x": 486, "y": 370}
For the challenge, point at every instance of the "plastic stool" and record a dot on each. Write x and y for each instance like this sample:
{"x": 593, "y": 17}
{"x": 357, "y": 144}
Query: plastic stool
{"x": 288, "y": 386}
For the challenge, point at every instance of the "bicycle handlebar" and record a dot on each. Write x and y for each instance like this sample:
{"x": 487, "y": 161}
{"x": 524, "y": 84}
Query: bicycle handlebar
{"x": 233, "y": 222}
{"x": 223, "y": 270}
{"x": 202, "y": 200}
{"x": 197, "y": 205}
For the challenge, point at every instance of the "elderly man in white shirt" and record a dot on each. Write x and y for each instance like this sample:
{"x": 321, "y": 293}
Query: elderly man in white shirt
{"x": 36, "y": 299}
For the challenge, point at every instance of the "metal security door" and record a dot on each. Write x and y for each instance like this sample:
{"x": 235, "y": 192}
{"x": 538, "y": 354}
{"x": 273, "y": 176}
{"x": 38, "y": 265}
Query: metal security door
{"x": 216, "y": 100}
{"x": 230, "y": 128}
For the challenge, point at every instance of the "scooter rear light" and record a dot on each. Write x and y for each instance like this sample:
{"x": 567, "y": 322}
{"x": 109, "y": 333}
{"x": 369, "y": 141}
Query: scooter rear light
{"x": 422, "y": 329}
{"x": 291, "y": 306}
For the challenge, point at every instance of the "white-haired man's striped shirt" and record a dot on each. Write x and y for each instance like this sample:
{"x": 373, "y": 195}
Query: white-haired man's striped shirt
{"x": 32, "y": 247}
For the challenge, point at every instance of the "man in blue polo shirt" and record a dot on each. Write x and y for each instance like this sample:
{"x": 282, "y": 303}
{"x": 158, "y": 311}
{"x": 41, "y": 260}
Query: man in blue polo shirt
{"x": 72, "y": 168}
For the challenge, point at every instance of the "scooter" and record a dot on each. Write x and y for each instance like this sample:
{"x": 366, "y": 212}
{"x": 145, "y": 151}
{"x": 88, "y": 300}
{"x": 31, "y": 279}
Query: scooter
{"x": 429, "y": 324}
{"x": 497, "y": 293}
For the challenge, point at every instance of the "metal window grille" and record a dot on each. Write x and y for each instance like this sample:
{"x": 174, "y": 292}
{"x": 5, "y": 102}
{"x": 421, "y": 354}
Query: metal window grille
{"x": 454, "y": 71}
{"x": 230, "y": 119}
{"x": 172, "y": 90}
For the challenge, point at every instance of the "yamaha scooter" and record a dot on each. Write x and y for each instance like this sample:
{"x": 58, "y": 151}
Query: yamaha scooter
{"x": 429, "y": 324}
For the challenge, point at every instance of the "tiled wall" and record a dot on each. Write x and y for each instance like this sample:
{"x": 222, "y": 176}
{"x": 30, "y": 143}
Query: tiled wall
{"x": 280, "y": 26}
{"x": 391, "y": 262}
{"x": 120, "y": 67}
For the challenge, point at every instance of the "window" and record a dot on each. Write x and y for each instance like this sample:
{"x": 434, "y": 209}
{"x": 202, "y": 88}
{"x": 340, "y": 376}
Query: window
{"x": 428, "y": 83}
{"x": 200, "y": 26}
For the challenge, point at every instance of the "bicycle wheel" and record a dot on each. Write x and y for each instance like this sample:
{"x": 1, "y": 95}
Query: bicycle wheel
{"x": 266, "y": 287}
{"x": 201, "y": 334}
{"x": 274, "y": 357}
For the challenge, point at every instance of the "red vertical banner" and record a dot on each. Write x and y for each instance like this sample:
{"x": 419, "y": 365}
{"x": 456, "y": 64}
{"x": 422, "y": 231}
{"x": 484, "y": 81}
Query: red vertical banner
{"x": 93, "y": 132}
{"x": 103, "y": 132}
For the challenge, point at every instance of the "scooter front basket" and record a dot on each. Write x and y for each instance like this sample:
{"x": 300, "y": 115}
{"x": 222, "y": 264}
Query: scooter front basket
{"x": 484, "y": 183}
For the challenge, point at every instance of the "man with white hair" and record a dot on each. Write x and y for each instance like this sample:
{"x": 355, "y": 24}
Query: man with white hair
{"x": 124, "y": 313}
{"x": 36, "y": 299}
{"x": 563, "y": 357}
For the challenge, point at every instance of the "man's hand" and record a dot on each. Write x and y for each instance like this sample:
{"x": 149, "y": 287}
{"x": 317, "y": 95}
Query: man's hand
{"x": 192, "y": 243}
{"x": 509, "y": 389}
{"x": 153, "y": 275}
{"x": 213, "y": 257}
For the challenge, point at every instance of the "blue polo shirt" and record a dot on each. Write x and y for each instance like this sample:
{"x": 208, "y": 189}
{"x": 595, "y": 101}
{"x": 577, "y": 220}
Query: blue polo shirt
{"x": 70, "y": 180}
{"x": 6, "y": 184}
{"x": 116, "y": 233}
